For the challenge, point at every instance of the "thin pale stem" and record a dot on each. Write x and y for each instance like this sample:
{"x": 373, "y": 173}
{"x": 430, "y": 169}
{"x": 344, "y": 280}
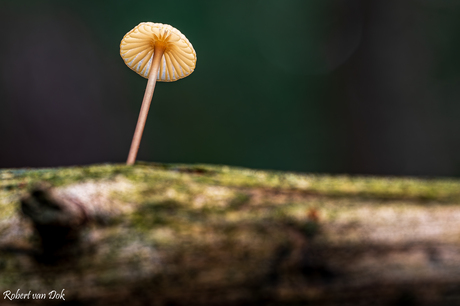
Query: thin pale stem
{"x": 155, "y": 66}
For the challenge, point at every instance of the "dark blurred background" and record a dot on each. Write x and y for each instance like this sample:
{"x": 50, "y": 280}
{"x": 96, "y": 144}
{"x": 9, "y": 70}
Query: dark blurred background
{"x": 328, "y": 86}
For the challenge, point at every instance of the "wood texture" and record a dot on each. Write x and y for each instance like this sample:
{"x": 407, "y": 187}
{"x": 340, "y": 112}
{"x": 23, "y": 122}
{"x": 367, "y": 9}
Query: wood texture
{"x": 214, "y": 235}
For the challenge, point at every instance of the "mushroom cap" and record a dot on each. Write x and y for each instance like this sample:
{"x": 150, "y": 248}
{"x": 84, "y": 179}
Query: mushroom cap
{"x": 137, "y": 49}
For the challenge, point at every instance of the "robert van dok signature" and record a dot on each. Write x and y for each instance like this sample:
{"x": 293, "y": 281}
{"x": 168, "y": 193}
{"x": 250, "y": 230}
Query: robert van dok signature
{"x": 52, "y": 295}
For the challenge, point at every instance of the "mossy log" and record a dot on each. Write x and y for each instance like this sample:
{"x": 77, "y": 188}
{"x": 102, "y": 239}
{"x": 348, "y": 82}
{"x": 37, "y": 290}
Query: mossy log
{"x": 155, "y": 234}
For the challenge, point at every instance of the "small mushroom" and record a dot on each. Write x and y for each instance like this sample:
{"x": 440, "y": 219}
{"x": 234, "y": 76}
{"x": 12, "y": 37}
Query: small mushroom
{"x": 158, "y": 52}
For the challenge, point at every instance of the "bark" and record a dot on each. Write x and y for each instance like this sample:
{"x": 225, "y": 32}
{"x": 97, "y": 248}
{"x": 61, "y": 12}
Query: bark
{"x": 154, "y": 234}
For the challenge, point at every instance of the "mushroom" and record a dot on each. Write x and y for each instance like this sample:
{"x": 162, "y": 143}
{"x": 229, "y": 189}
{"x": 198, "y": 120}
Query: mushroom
{"x": 158, "y": 52}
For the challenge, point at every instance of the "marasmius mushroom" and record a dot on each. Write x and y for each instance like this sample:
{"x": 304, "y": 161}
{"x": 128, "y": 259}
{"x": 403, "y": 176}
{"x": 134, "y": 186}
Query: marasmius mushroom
{"x": 158, "y": 52}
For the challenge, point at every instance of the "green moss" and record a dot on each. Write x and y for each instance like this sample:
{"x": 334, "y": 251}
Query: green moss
{"x": 157, "y": 176}
{"x": 219, "y": 222}
{"x": 158, "y": 188}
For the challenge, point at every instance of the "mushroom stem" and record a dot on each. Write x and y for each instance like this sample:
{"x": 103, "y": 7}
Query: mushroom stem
{"x": 155, "y": 66}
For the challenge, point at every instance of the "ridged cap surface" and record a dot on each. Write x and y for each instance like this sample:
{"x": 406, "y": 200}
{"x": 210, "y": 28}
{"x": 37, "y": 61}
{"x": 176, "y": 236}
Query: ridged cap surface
{"x": 137, "y": 49}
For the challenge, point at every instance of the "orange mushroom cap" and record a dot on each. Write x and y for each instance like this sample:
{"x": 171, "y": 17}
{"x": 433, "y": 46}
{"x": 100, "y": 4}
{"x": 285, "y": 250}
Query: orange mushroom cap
{"x": 138, "y": 46}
